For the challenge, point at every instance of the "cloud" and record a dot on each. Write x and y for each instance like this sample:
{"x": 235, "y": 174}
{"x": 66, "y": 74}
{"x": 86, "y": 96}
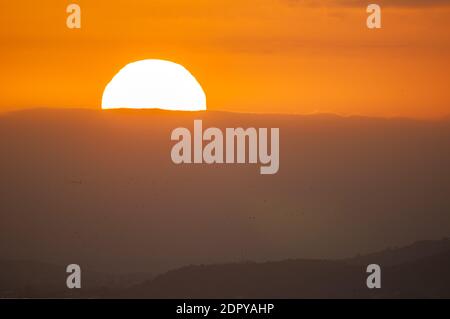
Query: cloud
{"x": 386, "y": 3}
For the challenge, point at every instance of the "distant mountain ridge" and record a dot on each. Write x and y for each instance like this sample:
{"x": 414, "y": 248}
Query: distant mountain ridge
{"x": 395, "y": 256}
{"x": 24, "y": 279}
{"x": 415, "y": 271}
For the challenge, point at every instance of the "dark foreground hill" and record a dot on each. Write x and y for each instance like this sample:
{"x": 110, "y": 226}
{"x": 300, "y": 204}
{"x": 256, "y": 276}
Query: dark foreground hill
{"x": 417, "y": 273}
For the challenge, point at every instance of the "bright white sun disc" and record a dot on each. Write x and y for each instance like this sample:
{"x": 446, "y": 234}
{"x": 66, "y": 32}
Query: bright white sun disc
{"x": 154, "y": 84}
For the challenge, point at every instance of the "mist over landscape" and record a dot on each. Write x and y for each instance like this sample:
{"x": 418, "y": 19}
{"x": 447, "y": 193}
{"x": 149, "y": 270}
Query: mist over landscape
{"x": 99, "y": 189}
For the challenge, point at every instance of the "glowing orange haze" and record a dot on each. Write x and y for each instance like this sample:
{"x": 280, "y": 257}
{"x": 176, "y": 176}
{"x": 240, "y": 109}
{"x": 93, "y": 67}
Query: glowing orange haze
{"x": 250, "y": 56}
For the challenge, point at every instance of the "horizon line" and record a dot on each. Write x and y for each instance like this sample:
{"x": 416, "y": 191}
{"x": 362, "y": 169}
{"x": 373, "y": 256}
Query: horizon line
{"x": 315, "y": 113}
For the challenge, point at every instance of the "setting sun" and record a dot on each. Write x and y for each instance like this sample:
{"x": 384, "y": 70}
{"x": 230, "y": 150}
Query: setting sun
{"x": 154, "y": 84}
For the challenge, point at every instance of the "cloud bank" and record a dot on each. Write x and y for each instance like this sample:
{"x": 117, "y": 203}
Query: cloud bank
{"x": 387, "y": 3}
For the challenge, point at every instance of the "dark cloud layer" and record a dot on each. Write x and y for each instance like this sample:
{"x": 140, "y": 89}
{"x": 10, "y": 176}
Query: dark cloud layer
{"x": 390, "y": 3}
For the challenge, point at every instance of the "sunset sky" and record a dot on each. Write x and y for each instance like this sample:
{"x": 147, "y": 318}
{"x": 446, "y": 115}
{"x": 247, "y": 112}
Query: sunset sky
{"x": 278, "y": 56}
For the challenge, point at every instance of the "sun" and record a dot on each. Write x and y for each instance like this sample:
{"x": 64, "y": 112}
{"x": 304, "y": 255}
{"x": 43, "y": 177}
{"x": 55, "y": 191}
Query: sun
{"x": 154, "y": 84}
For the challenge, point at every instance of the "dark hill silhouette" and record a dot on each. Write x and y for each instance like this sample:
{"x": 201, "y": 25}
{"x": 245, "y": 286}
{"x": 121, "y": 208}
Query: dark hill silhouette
{"x": 411, "y": 253}
{"x": 284, "y": 279}
{"x": 417, "y": 273}
{"x": 427, "y": 277}
{"x": 424, "y": 274}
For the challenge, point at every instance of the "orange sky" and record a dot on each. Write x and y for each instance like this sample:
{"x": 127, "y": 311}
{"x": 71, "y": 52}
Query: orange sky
{"x": 284, "y": 56}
